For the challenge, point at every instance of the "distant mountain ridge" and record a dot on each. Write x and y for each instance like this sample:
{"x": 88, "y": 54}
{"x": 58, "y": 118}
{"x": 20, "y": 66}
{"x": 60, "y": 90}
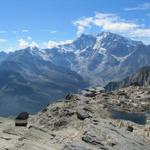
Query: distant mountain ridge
{"x": 32, "y": 77}
{"x": 100, "y": 58}
{"x": 140, "y": 78}
{"x": 29, "y": 83}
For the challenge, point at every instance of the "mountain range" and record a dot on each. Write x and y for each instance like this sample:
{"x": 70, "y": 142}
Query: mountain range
{"x": 28, "y": 83}
{"x": 32, "y": 77}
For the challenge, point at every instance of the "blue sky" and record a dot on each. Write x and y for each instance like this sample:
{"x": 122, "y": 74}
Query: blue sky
{"x": 45, "y": 23}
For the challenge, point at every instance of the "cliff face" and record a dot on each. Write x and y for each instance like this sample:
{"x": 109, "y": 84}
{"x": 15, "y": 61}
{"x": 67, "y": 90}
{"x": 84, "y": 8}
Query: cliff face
{"x": 140, "y": 78}
{"x": 83, "y": 122}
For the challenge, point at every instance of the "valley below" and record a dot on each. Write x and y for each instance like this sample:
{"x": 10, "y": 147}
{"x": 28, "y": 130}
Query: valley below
{"x": 85, "y": 121}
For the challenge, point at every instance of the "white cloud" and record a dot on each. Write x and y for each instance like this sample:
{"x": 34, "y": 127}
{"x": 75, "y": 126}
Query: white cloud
{"x": 52, "y": 44}
{"x": 110, "y": 22}
{"x": 145, "y": 6}
{"x": 52, "y": 32}
{"x": 113, "y": 23}
{"x": 82, "y": 24}
{"x": 33, "y": 44}
{"x": 24, "y": 43}
{"x": 25, "y": 30}
{"x": 49, "y": 31}
{"x": 10, "y": 49}
{"x": 3, "y": 40}
{"x": 29, "y": 38}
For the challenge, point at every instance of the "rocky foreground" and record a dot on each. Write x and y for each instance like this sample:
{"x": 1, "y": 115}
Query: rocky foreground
{"x": 83, "y": 122}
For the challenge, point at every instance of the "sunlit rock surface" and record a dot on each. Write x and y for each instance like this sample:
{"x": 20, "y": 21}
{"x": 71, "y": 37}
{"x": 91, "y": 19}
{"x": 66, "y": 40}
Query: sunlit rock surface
{"x": 83, "y": 122}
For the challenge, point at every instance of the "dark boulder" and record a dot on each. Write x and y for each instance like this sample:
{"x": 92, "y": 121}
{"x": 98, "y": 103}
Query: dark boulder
{"x": 82, "y": 114}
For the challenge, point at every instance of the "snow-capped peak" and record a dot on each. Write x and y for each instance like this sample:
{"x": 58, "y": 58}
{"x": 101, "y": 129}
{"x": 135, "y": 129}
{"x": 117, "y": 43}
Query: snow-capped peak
{"x": 84, "y": 41}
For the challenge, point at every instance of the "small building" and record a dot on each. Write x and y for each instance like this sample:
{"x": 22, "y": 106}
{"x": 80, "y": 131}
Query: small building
{"x": 22, "y": 119}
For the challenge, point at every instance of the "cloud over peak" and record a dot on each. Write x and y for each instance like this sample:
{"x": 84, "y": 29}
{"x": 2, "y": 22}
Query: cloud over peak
{"x": 27, "y": 43}
{"x": 113, "y": 23}
{"x": 52, "y": 44}
{"x": 82, "y": 24}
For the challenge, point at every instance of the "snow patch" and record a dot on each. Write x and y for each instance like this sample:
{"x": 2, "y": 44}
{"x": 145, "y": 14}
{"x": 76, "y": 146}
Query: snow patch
{"x": 121, "y": 59}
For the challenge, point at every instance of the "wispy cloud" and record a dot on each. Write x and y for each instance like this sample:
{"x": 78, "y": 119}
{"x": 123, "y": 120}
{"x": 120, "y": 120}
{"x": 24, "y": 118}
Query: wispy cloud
{"x": 49, "y": 31}
{"x": 2, "y": 40}
{"x": 52, "y": 44}
{"x": 25, "y": 30}
{"x": 53, "y": 32}
{"x": 83, "y": 23}
{"x": 113, "y": 23}
{"x": 23, "y": 43}
{"x": 29, "y": 38}
{"x": 107, "y": 22}
{"x": 10, "y": 49}
{"x": 145, "y": 6}
{"x": 33, "y": 44}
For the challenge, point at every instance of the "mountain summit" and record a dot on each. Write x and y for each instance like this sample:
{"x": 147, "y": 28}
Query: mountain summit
{"x": 103, "y": 57}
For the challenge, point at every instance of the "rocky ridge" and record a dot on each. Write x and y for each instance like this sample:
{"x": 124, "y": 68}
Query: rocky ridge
{"x": 84, "y": 122}
{"x": 140, "y": 78}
